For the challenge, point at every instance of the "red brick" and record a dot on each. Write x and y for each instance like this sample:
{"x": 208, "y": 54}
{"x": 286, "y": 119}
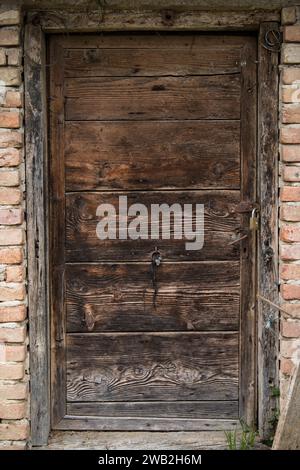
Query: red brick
{"x": 13, "y": 99}
{"x": 290, "y": 75}
{"x": 11, "y": 236}
{"x": 290, "y": 114}
{"x": 12, "y": 353}
{"x": 8, "y": 445}
{"x": 291, "y": 33}
{"x": 290, "y": 272}
{"x": 290, "y": 329}
{"x": 290, "y": 135}
{"x": 291, "y": 94}
{"x": 290, "y": 291}
{"x": 10, "y": 36}
{"x": 9, "y": 15}
{"x": 13, "y": 335}
{"x": 10, "y": 157}
{"x": 14, "y": 431}
{"x": 11, "y": 196}
{"x": 290, "y": 213}
{"x": 14, "y": 56}
{"x": 292, "y": 309}
{"x": 11, "y": 372}
{"x": 289, "y": 233}
{"x": 11, "y": 255}
{"x": 290, "y": 54}
{"x": 16, "y": 391}
{"x": 290, "y": 252}
{"x": 14, "y": 274}
{"x": 12, "y": 292}
{"x": 288, "y": 15}
{"x": 9, "y": 178}
{"x": 10, "y": 119}
{"x": 11, "y": 139}
{"x": 11, "y": 216}
{"x": 291, "y": 173}
{"x": 286, "y": 366}
{"x": 12, "y": 314}
{"x": 10, "y": 410}
{"x": 290, "y": 153}
{"x": 290, "y": 194}
{"x": 289, "y": 347}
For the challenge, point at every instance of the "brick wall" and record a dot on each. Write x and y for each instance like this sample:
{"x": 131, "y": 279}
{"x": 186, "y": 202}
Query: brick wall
{"x": 14, "y": 428}
{"x": 290, "y": 194}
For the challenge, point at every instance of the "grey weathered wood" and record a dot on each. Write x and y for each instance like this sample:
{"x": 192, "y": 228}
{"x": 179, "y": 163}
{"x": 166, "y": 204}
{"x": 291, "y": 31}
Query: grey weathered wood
{"x": 287, "y": 435}
{"x": 114, "y": 440}
{"x": 248, "y": 344}
{"x": 77, "y": 423}
{"x": 36, "y": 190}
{"x": 124, "y": 20}
{"x": 155, "y": 409}
{"x": 268, "y": 239}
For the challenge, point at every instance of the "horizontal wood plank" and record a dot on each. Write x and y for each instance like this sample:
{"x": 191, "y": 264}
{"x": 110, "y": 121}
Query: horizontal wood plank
{"x": 221, "y": 227}
{"x": 154, "y": 40}
{"x": 160, "y": 366}
{"x": 205, "y": 60}
{"x": 156, "y": 409}
{"x": 155, "y": 154}
{"x": 85, "y": 423}
{"x": 207, "y": 97}
{"x": 176, "y": 309}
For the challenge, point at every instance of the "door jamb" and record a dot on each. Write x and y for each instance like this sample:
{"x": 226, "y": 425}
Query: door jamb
{"x": 37, "y": 212}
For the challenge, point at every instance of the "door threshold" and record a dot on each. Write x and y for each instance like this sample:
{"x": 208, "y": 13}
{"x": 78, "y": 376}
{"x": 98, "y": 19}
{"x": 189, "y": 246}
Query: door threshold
{"x": 132, "y": 440}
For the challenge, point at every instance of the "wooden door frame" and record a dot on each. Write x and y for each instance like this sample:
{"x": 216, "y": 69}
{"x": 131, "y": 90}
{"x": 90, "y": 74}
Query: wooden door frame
{"x": 37, "y": 26}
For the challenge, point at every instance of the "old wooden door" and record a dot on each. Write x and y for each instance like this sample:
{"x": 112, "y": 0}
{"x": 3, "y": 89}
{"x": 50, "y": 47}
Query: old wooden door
{"x": 159, "y": 118}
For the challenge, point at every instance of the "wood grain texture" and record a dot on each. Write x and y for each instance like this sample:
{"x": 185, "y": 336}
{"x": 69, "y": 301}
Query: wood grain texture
{"x": 57, "y": 227}
{"x": 160, "y": 154}
{"x": 221, "y": 227}
{"x": 139, "y": 367}
{"x": 37, "y": 237}
{"x": 156, "y": 409}
{"x": 187, "y": 17}
{"x": 135, "y": 62}
{"x": 180, "y": 308}
{"x": 248, "y": 345}
{"x": 207, "y": 97}
{"x": 268, "y": 280}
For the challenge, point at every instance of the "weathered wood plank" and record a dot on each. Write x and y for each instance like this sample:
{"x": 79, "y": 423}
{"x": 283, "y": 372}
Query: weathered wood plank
{"x": 77, "y": 423}
{"x": 37, "y": 264}
{"x": 156, "y": 155}
{"x": 57, "y": 217}
{"x": 160, "y": 366}
{"x": 156, "y": 409}
{"x": 183, "y": 19}
{"x": 155, "y": 62}
{"x": 114, "y": 440}
{"x": 268, "y": 240}
{"x": 287, "y": 435}
{"x": 207, "y": 97}
{"x": 179, "y": 308}
{"x": 221, "y": 227}
{"x": 248, "y": 344}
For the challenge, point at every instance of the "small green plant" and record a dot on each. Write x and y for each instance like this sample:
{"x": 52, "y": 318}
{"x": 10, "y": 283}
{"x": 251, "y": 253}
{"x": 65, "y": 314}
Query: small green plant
{"x": 241, "y": 441}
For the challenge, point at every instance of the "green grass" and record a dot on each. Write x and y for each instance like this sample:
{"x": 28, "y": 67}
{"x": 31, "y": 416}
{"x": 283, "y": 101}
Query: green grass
{"x": 241, "y": 440}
